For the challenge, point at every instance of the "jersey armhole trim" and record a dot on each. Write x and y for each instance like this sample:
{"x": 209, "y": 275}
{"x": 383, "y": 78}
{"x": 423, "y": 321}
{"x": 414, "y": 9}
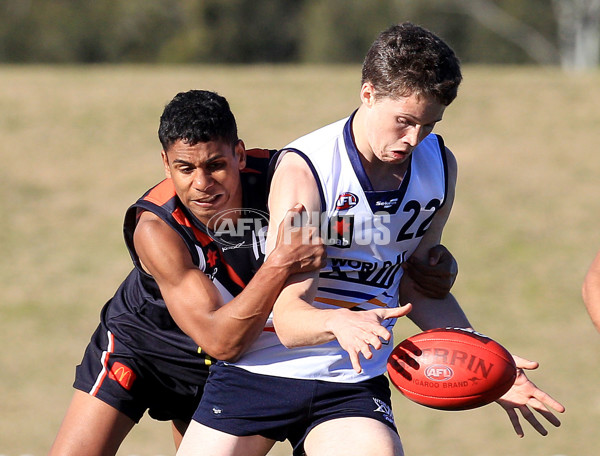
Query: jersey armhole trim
{"x": 275, "y": 162}
{"x": 445, "y": 166}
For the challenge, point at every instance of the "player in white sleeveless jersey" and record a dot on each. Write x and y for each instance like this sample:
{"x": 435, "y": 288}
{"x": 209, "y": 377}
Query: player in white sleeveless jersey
{"x": 370, "y": 233}
{"x": 382, "y": 186}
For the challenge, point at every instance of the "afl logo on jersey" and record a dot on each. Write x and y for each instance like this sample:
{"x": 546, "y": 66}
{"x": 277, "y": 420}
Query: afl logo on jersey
{"x": 346, "y": 201}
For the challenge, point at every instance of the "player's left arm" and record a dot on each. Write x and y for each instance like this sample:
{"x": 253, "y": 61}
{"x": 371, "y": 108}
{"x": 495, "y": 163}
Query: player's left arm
{"x": 524, "y": 396}
{"x": 430, "y": 312}
{"x": 591, "y": 291}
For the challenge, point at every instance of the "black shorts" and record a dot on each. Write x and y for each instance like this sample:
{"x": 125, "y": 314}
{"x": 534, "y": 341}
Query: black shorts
{"x": 117, "y": 375}
{"x": 242, "y": 403}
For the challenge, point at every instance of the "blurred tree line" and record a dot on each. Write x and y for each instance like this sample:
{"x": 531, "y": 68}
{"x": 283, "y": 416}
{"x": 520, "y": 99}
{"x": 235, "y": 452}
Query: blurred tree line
{"x": 252, "y": 31}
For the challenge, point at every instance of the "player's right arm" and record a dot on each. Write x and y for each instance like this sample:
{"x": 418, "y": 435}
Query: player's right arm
{"x": 223, "y": 330}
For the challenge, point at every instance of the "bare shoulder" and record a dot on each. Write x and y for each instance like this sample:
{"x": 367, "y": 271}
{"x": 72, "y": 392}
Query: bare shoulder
{"x": 293, "y": 182}
{"x": 292, "y": 162}
{"x": 151, "y": 227}
{"x": 158, "y": 246}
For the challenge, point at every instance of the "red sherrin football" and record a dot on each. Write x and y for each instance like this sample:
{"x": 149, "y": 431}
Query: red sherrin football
{"x": 451, "y": 369}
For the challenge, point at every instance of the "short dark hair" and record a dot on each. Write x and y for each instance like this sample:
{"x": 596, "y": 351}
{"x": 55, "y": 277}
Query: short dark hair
{"x": 407, "y": 59}
{"x": 197, "y": 116}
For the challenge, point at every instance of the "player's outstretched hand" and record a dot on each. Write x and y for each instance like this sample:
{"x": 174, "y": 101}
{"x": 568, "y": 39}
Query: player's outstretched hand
{"x": 361, "y": 332}
{"x": 525, "y": 396}
{"x": 435, "y": 277}
{"x": 299, "y": 246}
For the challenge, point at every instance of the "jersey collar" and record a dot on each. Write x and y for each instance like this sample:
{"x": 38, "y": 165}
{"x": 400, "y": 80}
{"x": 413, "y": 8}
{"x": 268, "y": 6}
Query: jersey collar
{"x": 359, "y": 170}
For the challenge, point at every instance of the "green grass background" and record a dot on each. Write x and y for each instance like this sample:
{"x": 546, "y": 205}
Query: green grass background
{"x": 78, "y": 145}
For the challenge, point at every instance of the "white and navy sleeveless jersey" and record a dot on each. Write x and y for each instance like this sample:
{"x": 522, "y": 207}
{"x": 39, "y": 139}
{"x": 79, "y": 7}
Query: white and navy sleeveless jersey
{"x": 369, "y": 234}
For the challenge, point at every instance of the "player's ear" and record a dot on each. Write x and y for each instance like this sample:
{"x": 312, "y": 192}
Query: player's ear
{"x": 367, "y": 94}
{"x": 165, "y": 160}
{"x": 240, "y": 153}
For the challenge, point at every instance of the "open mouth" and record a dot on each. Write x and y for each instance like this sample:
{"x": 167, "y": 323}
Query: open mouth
{"x": 208, "y": 201}
{"x": 400, "y": 154}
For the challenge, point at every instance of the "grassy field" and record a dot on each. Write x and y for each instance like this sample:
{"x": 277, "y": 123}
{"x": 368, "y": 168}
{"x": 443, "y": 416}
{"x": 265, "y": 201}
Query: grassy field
{"x": 79, "y": 145}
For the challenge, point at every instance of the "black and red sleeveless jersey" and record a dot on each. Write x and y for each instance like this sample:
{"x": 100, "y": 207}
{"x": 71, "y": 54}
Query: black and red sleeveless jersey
{"x": 137, "y": 314}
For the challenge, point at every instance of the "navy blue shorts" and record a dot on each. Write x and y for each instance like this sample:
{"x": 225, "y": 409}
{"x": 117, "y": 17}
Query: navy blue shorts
{"x": 132, "y": 384}
{"x": 242, "y": 403}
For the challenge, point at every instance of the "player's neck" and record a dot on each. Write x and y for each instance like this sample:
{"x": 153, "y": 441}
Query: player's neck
{"x": 383, "y": 176}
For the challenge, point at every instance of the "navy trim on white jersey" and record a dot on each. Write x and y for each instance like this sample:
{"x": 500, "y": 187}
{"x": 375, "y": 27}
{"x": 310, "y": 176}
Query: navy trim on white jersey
{"x": 275, "y": 162}
{"x": 373, "y": 196}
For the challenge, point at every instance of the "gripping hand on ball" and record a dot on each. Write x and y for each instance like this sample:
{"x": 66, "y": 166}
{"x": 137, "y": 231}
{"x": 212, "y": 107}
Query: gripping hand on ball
{"x": 525, "y": 396}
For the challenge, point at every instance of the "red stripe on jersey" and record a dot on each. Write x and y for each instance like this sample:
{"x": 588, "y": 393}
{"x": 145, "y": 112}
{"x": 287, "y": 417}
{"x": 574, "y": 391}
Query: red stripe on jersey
{"x": 204, "y": 240}
{"x": 202, "y": 237}
{"x": 232, "y": 274}
{"x": 162, "y": 193}
{"x": 165, "y": 190}
{"x": 258, "y": 153}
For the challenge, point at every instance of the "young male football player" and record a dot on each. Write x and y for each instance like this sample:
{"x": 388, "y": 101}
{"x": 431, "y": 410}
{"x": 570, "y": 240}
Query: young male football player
{"x": 194, "y": 294}
{"x": 384, "y": 185}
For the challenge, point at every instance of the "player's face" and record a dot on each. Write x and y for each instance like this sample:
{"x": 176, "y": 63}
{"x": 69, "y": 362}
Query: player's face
{"x": 206, "y": 176}
{"x": 395, "y": 126}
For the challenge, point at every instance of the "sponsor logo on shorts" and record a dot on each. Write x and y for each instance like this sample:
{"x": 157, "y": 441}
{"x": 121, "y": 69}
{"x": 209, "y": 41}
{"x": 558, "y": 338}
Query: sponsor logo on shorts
{"x": 382, "y": 407}
{"x": 122, "y": 374}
